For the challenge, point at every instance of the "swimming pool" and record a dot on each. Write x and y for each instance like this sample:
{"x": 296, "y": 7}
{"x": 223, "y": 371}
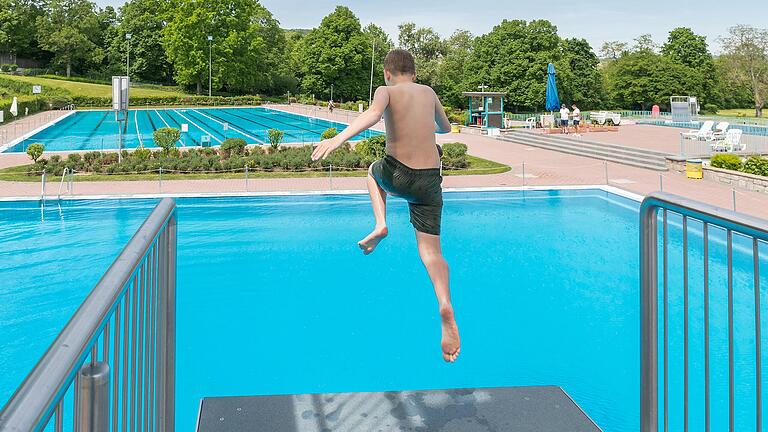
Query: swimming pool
{"x": 274, "y": 296}
{"x": 98, "y": 130}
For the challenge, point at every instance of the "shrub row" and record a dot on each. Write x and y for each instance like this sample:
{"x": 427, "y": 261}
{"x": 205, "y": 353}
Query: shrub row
{"x": 755, "y": 164}
{"x": 233, "y": 155}
{"x": 8, "y": 67}
{"x": 96, "y": 102}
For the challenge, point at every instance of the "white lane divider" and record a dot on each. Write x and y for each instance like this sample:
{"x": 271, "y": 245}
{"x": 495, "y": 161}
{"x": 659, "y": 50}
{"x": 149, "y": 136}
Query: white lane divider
{"x": 232, "y": 127}
{"x": 198, "y": 126}
{"x": 136, "y": 120}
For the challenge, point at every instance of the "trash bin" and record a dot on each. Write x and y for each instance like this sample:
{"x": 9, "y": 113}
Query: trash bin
{"x": 693, "y": 169}
{"x": 455, "y": 128}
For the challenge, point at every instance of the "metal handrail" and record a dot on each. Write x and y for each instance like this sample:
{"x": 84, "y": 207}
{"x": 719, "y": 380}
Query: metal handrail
{"x": 40, "y": 396}
{"x": 728, "y": 220}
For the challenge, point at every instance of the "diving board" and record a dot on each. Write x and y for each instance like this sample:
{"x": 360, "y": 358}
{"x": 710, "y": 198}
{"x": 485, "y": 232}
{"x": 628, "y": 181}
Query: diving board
{"x": 519, "y": 409}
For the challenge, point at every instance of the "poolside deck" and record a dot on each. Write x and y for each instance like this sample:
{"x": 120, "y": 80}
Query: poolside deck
{"x": 519, "y": 409}
{"x": 542, "y": 168}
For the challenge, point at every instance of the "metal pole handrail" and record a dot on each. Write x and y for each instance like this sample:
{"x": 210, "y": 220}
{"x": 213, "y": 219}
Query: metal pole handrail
{"x": 649, "y": 313}
{"x": 35, "y": 400}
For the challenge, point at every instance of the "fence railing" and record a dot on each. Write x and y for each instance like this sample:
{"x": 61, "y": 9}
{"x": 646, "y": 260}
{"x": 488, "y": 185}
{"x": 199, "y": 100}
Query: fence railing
{"x": 112, "y": 367}
{"x": 751, "y": 231}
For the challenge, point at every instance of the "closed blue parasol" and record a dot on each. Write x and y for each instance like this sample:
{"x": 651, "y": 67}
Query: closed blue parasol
{"x": 553, "y": 100}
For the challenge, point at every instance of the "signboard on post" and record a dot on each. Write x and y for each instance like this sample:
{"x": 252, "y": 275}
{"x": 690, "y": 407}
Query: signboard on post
{"x": 120, "y": 86}
{"x": 36, "y": 89}
{"x": 184, "y": 127}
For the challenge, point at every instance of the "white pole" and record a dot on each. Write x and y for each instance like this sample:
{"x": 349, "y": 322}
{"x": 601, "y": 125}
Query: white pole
{"x": 370, "y": 90}
{"x": 210, "y": 64}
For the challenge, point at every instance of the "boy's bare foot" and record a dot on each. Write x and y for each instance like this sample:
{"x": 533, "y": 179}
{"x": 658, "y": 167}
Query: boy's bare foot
{"x": 369, "y": 243}
{"x": 451, "y": 343}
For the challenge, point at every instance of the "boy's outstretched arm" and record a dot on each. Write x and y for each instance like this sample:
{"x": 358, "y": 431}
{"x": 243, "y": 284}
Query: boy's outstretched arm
{"x": 441, "y": 120}
{"x": 361, "y": 123}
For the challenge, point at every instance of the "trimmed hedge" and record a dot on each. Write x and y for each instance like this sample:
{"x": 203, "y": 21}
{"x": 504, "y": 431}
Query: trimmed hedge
{"x": 98, "y": 102}
{"x": 455, "y": 156}
{"x": 756, "y": 165}
{"x": 726, "y": 161}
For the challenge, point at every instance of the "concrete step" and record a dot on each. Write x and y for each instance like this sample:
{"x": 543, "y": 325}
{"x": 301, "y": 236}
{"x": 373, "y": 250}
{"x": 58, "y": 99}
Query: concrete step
{"x": 622, "y": 155}
{"x": 519, "y": 409}
{"x": 572, "y": 139}
{"x": 628, "y": 158}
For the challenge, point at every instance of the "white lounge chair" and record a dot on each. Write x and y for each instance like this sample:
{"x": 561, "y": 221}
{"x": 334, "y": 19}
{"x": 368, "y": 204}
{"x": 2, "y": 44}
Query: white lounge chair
{"x": 719, "y": 131}
{"x": 730, "y": 143}
{"x": 704, "y": 132}
{"x": 605, "y": 117}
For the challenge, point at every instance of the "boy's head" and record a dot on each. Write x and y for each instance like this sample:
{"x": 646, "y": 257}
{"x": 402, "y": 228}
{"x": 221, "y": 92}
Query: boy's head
{"x": 574, "y": 106}
{"x": 399, "y": 63}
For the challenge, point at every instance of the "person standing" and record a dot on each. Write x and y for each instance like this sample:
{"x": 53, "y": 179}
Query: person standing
{"x": 576, "y": 117}
{"x": 330, "y": 106}
{"x": 564, "y": 112}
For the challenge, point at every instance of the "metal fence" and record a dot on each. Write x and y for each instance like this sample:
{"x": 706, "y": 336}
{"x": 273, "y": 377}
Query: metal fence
{"x": 112, "y": 367}
{"x": 731, "y": 225}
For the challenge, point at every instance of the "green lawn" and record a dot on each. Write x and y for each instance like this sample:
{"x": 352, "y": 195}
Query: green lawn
{"x": 92, "y": 90}
{"x": 477, "y": 166}
{"x": 744, "y": 112}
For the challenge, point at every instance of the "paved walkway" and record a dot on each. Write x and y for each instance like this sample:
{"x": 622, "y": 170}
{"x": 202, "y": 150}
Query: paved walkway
{"x": 541, "y": 168}
{"x": 14, "y": 129}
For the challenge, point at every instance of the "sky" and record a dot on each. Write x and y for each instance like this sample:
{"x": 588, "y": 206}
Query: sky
{"x": 595, "y": 20}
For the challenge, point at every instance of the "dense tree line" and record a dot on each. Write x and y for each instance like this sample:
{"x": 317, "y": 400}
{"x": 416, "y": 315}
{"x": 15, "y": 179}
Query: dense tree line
{"x": 251, "y": 53}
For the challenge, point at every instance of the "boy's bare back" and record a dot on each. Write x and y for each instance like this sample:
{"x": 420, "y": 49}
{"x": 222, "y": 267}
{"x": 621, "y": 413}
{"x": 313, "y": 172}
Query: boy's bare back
{"x": 410, "y": 124}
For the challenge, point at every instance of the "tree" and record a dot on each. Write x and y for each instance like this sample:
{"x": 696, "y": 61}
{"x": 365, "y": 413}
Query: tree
{"x": 579, "y": 78}
{"x": 166, "y": 138}
{"x": 686, "y": 48}
{"x": 143, "y": 20}
{"x": 611, "y": 50}
{"x": 746, "y": 60}
{"x": 427, "y": 49}
{"x": 71, "y": 30}
{"x": 337, "y": 54}
{"x": 246, "y": 49}
{"x": 451, "y": 70}
{"x": 513, "y": 58}
{"x": 645, "y": 42}
{"x": 35, "y": 151}
{"x": 383, "y": 44}
{"x": 641, "y": 79}
{"x": 17, "y": 27}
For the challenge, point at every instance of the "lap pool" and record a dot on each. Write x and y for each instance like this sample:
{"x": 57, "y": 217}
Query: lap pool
{"x": 275, "y": 297}
{"x": 98, "y": 130}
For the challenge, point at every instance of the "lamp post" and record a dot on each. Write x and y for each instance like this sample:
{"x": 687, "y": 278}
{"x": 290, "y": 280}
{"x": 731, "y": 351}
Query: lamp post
{"x": 210, "y": 64}
{"x": 370, "y": 89}
{"x": 128, "y": 55}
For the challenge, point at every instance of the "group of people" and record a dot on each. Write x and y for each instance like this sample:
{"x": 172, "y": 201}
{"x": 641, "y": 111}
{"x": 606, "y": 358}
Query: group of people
{"x": 565, "y": 113}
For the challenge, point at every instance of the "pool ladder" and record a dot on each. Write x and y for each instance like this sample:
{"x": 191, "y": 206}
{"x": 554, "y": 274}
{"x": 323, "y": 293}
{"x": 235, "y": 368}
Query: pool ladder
{"x": 66, "y": 176}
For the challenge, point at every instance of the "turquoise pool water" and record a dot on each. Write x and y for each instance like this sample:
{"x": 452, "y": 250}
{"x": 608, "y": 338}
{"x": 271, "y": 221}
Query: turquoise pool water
{"x": 275, "y": 297}
{"x": 98, "y": 130}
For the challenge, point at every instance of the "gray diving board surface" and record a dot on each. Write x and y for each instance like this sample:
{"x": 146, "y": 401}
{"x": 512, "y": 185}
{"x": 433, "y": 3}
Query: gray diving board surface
{"x": 519, "y": 409}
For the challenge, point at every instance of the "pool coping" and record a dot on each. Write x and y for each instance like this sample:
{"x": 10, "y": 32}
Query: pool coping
{"x": 605, "y": 188}
{"x": 29, "y": 134}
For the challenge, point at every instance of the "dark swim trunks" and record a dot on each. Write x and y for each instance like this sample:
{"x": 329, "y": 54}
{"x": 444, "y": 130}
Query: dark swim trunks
{"x": 420, "y": 187}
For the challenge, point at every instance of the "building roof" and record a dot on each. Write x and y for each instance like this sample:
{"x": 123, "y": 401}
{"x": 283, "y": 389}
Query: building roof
{"x": 480, "y": 94}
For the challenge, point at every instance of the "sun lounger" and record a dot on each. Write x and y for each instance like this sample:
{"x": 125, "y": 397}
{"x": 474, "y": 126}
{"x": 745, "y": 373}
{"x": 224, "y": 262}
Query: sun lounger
{"x": 730, "y": 143}
{"x": 719, "y": 132}
{"x": 704, "y": 132}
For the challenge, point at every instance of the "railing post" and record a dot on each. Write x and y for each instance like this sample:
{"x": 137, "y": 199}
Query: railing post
{"x": 42, "y": 187}
{"x": 649, "y": 316}
{"x": 246, "y": 177}
{"x": 330, "y": 176}
{"x": 166, "y": 356}
{"x": 93, "y": 398}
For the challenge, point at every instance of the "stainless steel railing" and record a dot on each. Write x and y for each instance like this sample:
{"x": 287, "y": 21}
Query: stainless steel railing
{"x": 112, "y": 367}
{"x": 733, "y": 224}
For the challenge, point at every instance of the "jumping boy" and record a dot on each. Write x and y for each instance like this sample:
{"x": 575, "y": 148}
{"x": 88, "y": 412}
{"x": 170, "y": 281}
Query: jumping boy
{"x": 410, "y": 170}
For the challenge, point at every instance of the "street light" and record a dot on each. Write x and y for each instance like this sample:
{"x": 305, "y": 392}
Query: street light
{"x": 370, "y": 89}
{"x": 128, "y": 55}
{"x": 210, "y": 64}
